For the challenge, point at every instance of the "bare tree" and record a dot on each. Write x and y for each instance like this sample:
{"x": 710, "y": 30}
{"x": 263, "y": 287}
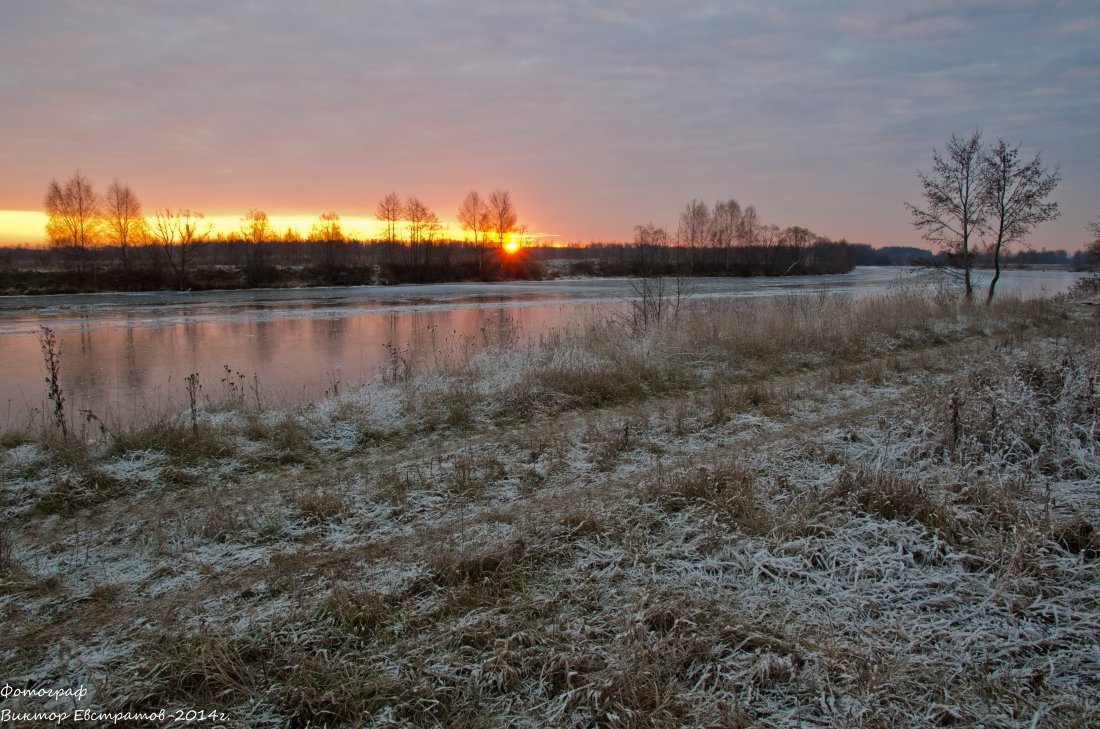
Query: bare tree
{"x": 503, "y": 220}
{"x": 73, "y": 215}
{"x": 955, "y": 201}
{"x": 327, "y": 228}
{"x": 256, "y": 228}
{"x": 1016, "y": 198}
{"x": 179, "y": 234}
{"x": 770, "y": 238}
{"x": 422, "y": 223}
{"x": 473, "y": 215}
{"x": 799, "y": 242}
{"x": 693, "y": 230}
{"x": 123, "y": 219}
{"x": 649, "y": 303}
{"x": 655, "y": 299}
{"x": 430, "y": 236}
{"x": 723, "y": 227}
{"x": 389, "y": 211}
{"x": 327, "y": 232}
{"x": 748, "y": 230}
{"x": 415, "y": 215}
{"x": 652, "y": 242}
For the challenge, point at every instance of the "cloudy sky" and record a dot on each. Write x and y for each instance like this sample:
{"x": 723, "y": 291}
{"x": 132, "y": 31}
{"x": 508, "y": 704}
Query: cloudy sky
{"x": 597, "y": 116}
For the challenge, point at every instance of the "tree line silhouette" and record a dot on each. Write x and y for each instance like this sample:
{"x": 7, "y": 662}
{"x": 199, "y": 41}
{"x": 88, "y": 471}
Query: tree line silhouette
{"x": 109, "y": 240}
{"x": 728, "y": 240}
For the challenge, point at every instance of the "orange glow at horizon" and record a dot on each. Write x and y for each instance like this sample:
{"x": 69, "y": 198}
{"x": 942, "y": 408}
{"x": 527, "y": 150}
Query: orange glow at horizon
{"x": 22, "y": 226}
{"x": 18, "y": 227}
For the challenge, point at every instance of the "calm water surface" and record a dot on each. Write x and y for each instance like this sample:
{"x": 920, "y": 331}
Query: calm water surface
{"x": 126, "y": 355}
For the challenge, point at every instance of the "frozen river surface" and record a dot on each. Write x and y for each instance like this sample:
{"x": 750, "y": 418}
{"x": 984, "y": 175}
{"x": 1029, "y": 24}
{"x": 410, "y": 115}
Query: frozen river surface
{"x": 126, "y": 355}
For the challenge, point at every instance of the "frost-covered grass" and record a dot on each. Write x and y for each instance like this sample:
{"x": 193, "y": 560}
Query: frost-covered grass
{"x": 811, "y": 512}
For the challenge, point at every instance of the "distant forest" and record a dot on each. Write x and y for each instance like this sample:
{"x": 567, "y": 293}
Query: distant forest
{"x": 866, "y": 255}
{"x": 237, "y": 264}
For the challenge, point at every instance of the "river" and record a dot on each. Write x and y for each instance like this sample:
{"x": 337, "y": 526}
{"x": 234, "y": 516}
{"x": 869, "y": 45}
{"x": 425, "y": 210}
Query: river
{"x": 125, "y": 356}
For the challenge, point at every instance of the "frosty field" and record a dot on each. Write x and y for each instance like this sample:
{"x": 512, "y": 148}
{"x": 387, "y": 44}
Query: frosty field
{"x": 807, "y": 512}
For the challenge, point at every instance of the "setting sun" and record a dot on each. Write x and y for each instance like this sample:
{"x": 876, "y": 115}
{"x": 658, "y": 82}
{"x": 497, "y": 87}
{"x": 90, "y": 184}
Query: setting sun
{"x": 512, "y": 245}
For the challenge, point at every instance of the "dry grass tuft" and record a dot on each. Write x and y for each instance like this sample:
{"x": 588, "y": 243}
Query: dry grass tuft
{"x": 889, "y": 496}
{"x": 474, "y": 567}
{"x": 604, "y": 366}
{"x": 7, "y": 552}
{"x": 1031, "y": 419}
{"x": 724, "y": 489}
{"x": 451, "y": 404}
{"x": 13, "y": 438}
{"x": 84, "y": 489}
{"x": 286, "y": 438}
{"x": 610, "y": 441}
{"x": 174, "y": 438}
{"x": 758, "y": 395}
{"x": 1078, "y": 536}
{"x": 290, "y": 438}
{"x": 309, "y": 680}
{"x": 580, "y": 522}
{"x": 364, "y": 615}
{"x": 204, "y": 666}
{"x": 180, "y": 478}
{"x": 320, "y": 505}
{"x": 472, "y": 472}
{"x": 107, "y": 592}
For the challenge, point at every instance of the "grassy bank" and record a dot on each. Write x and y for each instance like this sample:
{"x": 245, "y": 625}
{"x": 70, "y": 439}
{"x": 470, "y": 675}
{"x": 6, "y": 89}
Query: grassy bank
{"x": 810, "y": 511}
{"x": 107, "y": 279}
{"x": 239, "y": 265}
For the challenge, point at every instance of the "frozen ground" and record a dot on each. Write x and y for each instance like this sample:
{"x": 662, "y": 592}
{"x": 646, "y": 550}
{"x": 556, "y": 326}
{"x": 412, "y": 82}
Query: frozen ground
{"x": 819, "y": 514}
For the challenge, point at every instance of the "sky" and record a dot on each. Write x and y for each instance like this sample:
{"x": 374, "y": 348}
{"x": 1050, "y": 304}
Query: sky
{"x": 595, "y": 116}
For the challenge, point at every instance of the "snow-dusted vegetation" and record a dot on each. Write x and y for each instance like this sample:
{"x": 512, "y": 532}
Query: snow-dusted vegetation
{"x": 803, "y": 512}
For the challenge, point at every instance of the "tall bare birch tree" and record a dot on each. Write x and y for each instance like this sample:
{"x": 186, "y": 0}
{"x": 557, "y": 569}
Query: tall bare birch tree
{"x": 1016, "y": 197}
{"x": 422, "y": 224}
{"x": 389, "y": 211}
{"x": 123, "y": 219}
{"x": 73, "y": 219}
{"x": 693, "y": 230}
{"x": 723, "y": 227}
{"x": 955, "y": 201}
{"x": 503, "y": 219}
{"x": 473, "y": 215}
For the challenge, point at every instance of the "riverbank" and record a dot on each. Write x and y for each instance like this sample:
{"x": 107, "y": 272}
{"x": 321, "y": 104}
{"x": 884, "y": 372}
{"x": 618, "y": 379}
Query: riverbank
{"x": 128, "y": 355}
{"x": 230, "y": 278}
{"x": 815, "y": 510}
{"x": 524, "y": 265}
